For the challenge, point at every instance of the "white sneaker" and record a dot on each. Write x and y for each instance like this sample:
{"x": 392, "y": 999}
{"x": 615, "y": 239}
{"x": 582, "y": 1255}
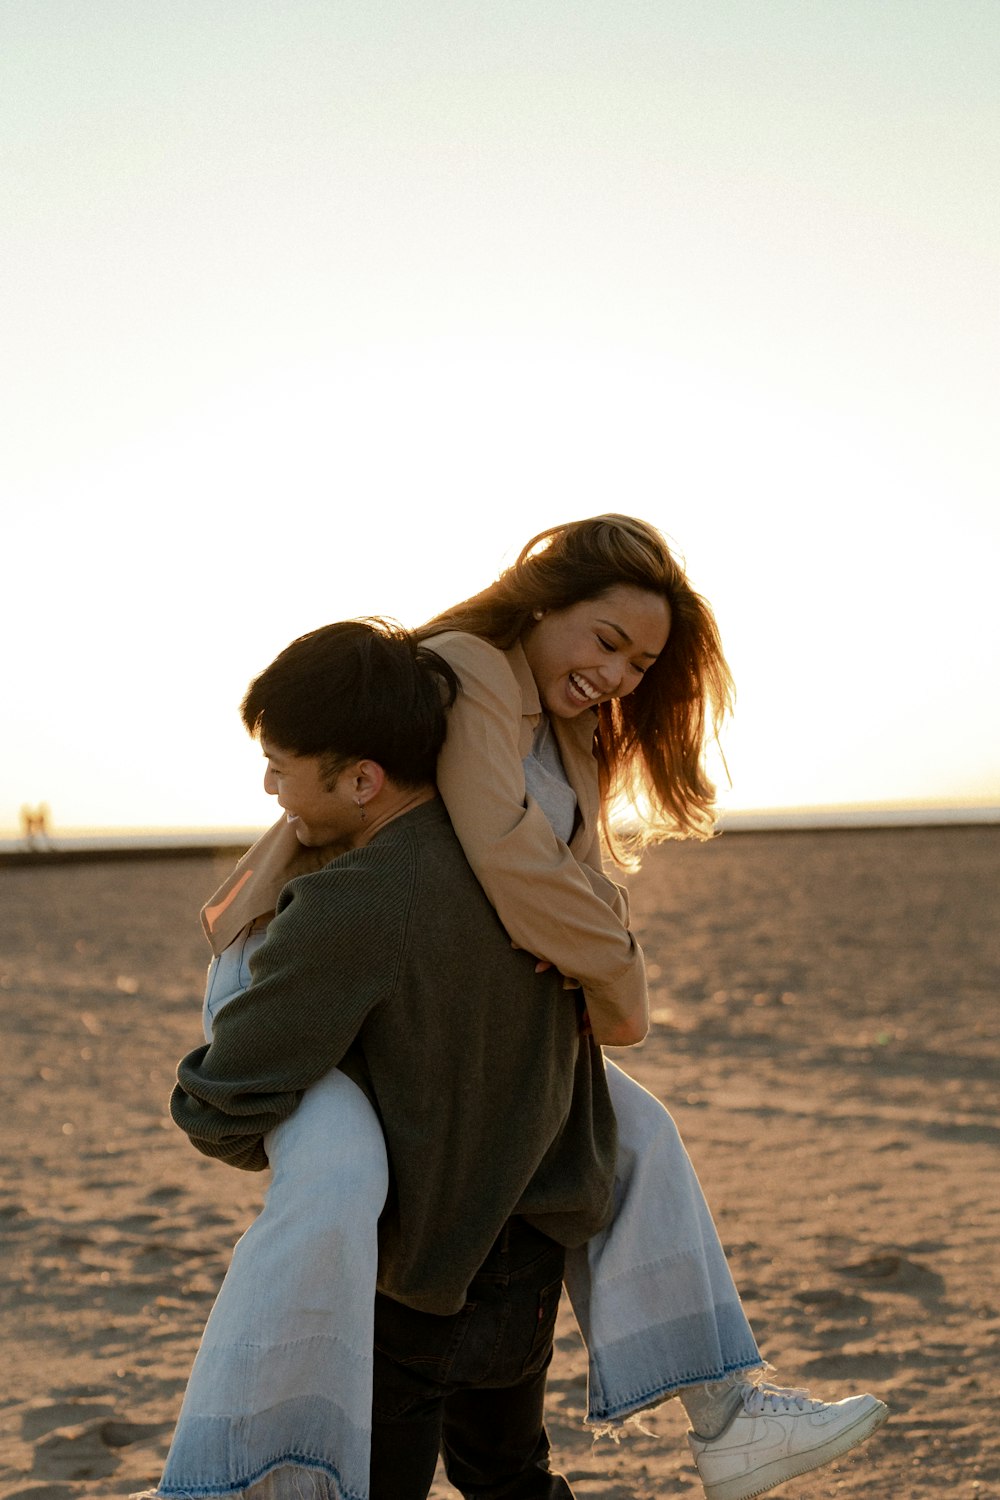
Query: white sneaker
{"x": 777, "y": 1434}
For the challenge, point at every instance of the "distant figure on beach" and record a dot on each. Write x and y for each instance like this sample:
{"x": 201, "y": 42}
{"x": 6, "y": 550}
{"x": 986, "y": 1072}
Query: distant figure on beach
{"x": 589, "y": 672}
{"x": 35, "y": 825}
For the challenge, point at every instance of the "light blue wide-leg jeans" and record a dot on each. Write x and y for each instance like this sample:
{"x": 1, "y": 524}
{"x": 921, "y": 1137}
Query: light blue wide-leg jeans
{"x": 278, "y": 1404}
{"x": 653, "y": 1293}
{"x": 279, "y": 1400}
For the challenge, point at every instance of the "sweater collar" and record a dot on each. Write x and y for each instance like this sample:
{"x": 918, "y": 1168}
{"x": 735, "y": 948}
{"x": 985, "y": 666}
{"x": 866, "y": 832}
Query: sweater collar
{"x": 432, "y": 811}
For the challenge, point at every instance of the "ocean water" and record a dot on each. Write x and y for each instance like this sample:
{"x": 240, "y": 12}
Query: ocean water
{"x": 754, "y": 821}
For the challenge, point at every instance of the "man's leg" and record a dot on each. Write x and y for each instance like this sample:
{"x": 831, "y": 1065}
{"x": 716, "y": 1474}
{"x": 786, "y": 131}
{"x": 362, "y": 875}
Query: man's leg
{"x": 493, "y": 1438}
{"x": 404, "y": 1448}
{"x": 486, "y": 1441}
{"x": 414, "y": 1353}
{"x": 473, "y": 1383}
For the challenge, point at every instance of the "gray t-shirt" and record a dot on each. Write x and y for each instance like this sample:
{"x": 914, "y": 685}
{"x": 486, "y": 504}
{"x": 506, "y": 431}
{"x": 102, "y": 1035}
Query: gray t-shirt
{"x": 545, "y": 781}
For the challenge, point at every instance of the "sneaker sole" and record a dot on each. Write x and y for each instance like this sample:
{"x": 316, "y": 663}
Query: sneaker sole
{"x": 746, "y": 1486}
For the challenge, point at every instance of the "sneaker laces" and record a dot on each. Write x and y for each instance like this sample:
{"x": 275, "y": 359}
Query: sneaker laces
{"x": 776, "y": 1400}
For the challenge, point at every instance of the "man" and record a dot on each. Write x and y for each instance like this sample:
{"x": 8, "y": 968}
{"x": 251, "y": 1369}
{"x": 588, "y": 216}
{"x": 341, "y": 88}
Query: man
{"x": 390, "y": 964}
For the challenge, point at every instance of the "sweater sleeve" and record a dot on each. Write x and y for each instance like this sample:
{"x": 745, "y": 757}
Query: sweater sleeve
{"x": 545, "y": 899}
{"x": 329, "y": 959}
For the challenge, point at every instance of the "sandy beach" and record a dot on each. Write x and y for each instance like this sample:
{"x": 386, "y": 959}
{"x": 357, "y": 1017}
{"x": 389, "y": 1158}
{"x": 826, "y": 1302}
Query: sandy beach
{"x": 825, "y": 1033}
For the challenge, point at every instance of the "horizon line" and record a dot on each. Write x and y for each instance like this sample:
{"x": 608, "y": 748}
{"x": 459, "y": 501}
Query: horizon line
{"x": 988, "y": 811}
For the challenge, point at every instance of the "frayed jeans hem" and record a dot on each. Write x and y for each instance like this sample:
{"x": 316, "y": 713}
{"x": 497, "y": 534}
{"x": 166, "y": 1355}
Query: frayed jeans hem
{"x": 243, "y": 1488}
{"x": 612, "y": 1421}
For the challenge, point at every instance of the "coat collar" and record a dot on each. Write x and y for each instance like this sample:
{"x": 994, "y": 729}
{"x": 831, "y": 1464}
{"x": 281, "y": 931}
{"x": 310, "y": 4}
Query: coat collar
{"x": 575, "y": 738}
{"x": 518, "y": 663}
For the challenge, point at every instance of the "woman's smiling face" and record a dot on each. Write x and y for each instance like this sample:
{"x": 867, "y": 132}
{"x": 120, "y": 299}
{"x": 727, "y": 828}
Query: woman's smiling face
{"x": 596, "y": 650}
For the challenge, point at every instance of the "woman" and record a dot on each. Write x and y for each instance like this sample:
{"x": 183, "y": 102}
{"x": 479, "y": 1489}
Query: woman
{"x": 591, "y": 674}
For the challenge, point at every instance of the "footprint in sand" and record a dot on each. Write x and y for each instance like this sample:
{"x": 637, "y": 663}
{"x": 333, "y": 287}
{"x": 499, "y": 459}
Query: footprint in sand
{"x": 134, "y": 1223}
{"x": 47, "y": 1416}
{"x": 15, "y": 1218}
{"x": 88, "y": 1450}
{"x": 895, "y": 1272}
{"x": 165, "y": 1194}
{"x": 43, "y": 1492}
{"x": 831, "y": 1302}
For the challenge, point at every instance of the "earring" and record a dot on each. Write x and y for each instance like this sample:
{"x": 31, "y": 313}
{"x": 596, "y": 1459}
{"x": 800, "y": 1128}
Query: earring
{"x": 361, "y": 808}
{"x": 536, "y": 614}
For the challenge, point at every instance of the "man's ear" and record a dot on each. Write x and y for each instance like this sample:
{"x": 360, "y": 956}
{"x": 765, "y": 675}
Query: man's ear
{"x": 369, "y": 779}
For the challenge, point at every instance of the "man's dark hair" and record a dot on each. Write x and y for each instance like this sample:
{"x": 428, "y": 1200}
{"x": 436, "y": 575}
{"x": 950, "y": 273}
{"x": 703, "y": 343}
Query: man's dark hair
{"x": 356, "y": 690}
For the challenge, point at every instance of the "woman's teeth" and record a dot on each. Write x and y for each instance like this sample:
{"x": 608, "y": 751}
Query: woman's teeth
{"x": 584, "y": 688}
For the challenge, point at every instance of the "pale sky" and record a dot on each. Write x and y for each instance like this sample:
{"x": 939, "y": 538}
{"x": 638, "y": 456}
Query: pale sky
{"x": 311, "y": 310}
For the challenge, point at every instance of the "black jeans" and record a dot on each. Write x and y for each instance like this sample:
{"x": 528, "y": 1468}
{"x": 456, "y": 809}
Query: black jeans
{"x": 472, "y": 1384}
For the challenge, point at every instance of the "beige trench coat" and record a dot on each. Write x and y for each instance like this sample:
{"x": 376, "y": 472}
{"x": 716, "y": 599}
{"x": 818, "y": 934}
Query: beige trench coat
{"x": 553, "y": 899}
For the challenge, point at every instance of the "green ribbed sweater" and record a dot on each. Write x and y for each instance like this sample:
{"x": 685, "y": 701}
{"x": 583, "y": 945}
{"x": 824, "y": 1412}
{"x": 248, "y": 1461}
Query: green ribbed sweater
{"x": 391, "y": 964}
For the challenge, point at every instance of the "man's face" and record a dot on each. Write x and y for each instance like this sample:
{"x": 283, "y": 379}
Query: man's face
{"x": 319, "y": 815}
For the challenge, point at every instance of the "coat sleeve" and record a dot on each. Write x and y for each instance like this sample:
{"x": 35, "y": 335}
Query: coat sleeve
{"x": 610, "y": 892}
{"x": 549, "y": 903}
{"x": 326, "y": 963}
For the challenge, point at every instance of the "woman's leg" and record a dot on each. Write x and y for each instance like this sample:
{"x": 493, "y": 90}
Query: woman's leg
{"x": 279, "y": 1399}
{"x": 661, "y": 1316}
{"x": 652, "y": 1293}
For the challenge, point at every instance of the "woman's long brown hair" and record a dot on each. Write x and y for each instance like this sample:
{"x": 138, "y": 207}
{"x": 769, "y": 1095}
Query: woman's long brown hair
{"x": 650, "y": 745}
